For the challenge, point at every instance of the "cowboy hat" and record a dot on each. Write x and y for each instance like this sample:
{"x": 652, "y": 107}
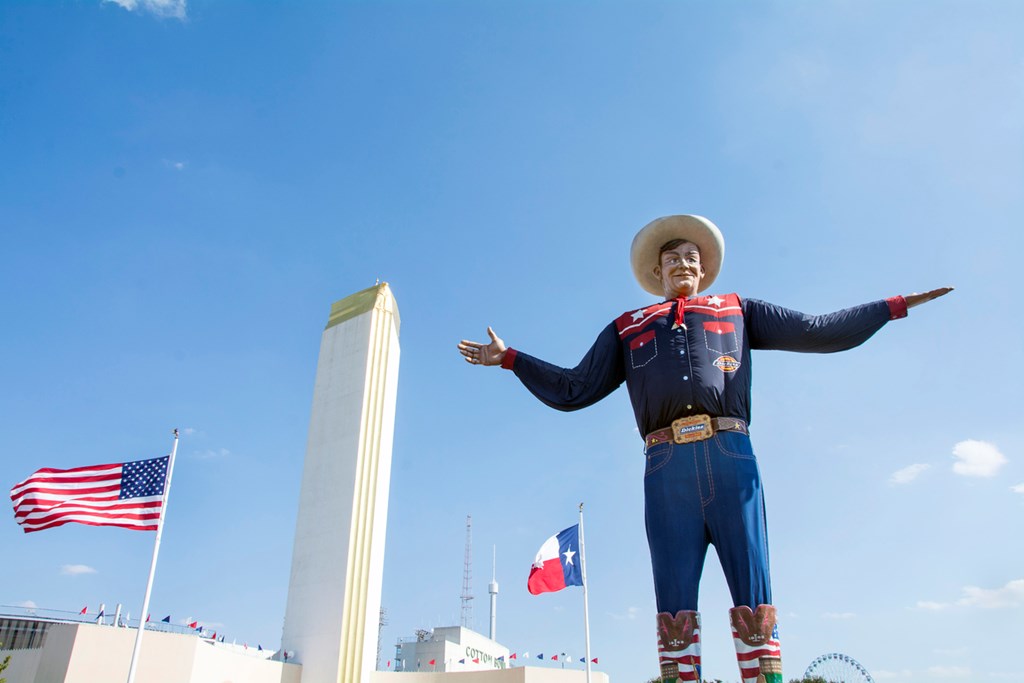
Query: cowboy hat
{"x": 644, "y": 254}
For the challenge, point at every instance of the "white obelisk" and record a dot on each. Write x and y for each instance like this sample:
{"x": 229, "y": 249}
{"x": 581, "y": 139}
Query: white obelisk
{"x": 330, "y": 623}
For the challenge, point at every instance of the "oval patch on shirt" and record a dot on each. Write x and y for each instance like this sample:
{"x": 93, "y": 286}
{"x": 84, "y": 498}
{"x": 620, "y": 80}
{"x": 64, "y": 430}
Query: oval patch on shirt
{"x": 727, "y": 364}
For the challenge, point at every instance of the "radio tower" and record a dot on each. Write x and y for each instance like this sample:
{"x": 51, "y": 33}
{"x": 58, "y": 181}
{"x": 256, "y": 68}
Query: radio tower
{"x": 467, "y": 577}
{"x": 380, "y": 632}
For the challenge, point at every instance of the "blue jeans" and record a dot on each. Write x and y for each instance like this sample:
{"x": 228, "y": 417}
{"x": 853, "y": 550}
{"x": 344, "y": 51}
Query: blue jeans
{"x": 699, "y": 493}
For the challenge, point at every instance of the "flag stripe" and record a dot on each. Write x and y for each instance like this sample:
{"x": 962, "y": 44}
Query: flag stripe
{"x": 65, "y": 489}
{"x": 62, "y": 522}
{"x": 75, "y": 471}
{"x": 33, "y": 504}
{"x": 85, "y": 513}
{"x": 97, "y": 503}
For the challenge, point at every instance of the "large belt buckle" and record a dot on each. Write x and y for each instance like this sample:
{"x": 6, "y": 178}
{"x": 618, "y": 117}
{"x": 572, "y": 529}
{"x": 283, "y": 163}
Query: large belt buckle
{"x": 693, "y": 428}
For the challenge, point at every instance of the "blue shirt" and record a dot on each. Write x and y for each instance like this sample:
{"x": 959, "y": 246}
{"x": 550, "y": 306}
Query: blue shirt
{"x": 692, "y": 355}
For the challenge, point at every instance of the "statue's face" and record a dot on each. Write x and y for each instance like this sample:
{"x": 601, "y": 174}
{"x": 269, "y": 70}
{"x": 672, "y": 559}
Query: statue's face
{"x": 680, "y": 270}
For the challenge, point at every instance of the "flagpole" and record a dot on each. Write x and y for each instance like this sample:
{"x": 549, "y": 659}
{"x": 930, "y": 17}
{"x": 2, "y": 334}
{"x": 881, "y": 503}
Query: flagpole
{"x": 583, "y": 574}
{"x": 152, "y": 566}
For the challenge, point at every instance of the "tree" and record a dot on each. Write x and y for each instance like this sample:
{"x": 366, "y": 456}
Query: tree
{"x": 3, "y": 665}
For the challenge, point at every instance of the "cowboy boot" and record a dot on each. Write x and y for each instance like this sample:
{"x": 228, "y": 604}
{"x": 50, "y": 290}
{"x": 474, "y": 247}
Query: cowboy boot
{"x": 679, "y": 646}
{"x": 756, "y": 637}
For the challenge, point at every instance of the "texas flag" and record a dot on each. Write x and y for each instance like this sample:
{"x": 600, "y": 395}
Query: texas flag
{"x": 557, "y": 564}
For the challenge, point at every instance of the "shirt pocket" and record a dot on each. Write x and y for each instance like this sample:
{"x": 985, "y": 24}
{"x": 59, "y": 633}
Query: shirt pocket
{"x": 643, "y": 348}
{"x": 721, "y": 337}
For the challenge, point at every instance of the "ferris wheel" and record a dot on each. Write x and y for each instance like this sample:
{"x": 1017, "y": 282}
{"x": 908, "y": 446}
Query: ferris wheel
{"x": 838, "y": 668}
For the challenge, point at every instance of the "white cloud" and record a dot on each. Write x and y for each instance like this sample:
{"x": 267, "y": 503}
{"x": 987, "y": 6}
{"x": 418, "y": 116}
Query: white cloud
{"x": 76, "y": 569}
{"x": 176, "y": 165}
{"x": 1019, "y": 488}
{"x": 162, "y": 8}
{"x": 907, "y": 474}
{"x": 1010, "y": 595}
{"x": 630, "y": 613}
{"x": 977, "y": 459}
{"x": 838, "y": 615}
{"x": 949, "y": 671}
{"x": 188, "y": 431}
{"x": 211, "y": 453}
{"x": 27, "y": 604}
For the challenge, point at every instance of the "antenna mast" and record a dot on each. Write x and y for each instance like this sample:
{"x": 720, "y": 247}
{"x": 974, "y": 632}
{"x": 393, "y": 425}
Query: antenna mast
{"x": 492, "y": 588}
{"x": 467, "y": 576}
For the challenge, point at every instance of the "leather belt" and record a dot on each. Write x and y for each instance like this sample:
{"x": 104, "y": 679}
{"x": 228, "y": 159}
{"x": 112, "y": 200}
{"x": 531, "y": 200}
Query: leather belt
{"x": 695, "y": 428}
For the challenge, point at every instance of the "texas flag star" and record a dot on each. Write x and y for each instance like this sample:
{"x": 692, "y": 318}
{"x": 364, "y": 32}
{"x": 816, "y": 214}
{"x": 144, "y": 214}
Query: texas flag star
{"x": 638, "y": 314}
{"x": 568, "y": 556}
{"x": 716, "y": 301}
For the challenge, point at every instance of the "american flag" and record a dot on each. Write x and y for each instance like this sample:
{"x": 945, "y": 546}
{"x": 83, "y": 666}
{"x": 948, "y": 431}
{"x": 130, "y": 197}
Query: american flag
{"x": 128, "y": 495}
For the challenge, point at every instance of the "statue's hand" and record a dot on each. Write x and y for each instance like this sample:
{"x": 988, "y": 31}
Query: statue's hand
{"x": 484, "y": 354}
{"x": 918, "y": 299}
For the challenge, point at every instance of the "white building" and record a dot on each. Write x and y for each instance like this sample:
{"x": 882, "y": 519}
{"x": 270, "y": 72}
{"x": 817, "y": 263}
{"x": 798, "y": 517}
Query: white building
{"x": 47, "y": 651}
{"x": 330, "y": 621}
{"x": 451, "y": 648}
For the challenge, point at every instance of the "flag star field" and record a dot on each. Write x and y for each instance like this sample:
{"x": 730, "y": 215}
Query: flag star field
{"x": 144, "y": 478}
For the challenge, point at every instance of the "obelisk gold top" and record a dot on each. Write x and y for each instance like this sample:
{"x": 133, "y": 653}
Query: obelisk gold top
{"x": 379, "y": 296}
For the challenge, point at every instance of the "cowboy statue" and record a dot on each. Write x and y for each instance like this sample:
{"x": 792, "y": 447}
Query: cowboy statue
{"x": 686, "y": 363}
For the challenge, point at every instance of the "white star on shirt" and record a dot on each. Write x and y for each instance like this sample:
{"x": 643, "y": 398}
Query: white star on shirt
{"x": 639, "y": 314}
{"x": 568, "y": 556}
{"x": 716, "y": 301}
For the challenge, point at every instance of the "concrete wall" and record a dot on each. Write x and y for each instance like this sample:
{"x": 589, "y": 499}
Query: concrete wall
{"x": 520, "y": 674}
{"x": 89, "y": 653}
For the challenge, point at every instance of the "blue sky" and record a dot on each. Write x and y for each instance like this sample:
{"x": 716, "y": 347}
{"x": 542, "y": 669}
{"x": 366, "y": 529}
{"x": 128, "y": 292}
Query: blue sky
{"x": 185, "y": 189}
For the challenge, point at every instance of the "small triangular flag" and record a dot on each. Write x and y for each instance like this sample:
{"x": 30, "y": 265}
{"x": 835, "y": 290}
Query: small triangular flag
{"x": 166, "y": 619}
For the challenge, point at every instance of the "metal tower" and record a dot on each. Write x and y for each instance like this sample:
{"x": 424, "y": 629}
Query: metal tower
{"x": 380, "y": 632}
{"x": 467, "y": 577}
